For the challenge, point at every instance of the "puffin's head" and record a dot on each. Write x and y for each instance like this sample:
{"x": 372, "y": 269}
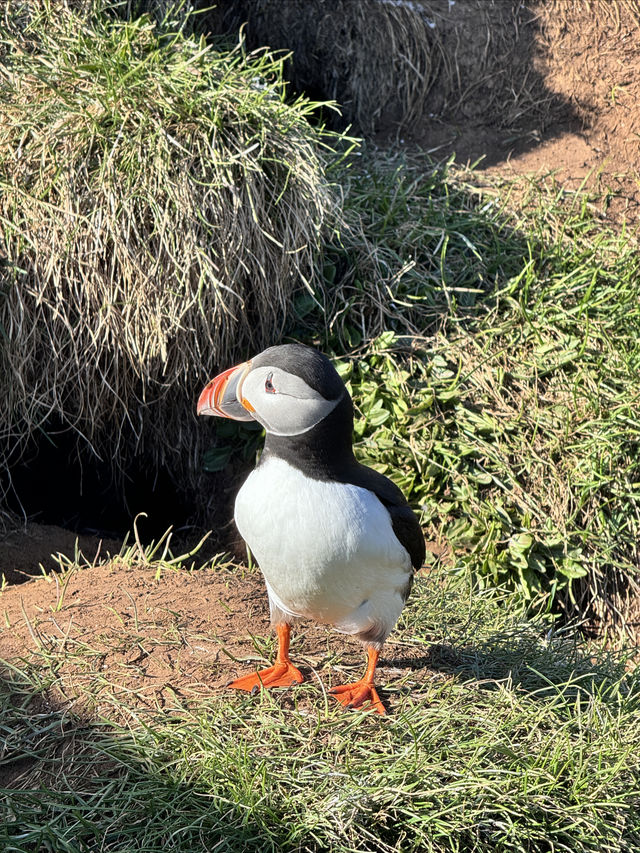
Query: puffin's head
{"x": 288, "y": 389}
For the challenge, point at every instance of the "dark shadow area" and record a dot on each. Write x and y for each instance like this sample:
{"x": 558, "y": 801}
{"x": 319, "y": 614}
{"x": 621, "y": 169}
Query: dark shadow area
{"x": 508, "y": 85}
{"x": 62, "y": 499}
{"x": 53, "y": 484}
{"x": 65, "y": 776}
{"x": 459, "y": 77}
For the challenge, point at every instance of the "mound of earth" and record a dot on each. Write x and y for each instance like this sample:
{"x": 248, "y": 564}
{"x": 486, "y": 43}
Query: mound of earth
{"x": 128, "y": 633}
{"x": 125, "y": 630}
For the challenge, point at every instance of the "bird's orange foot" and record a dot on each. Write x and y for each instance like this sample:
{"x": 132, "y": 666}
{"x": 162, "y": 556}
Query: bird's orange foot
{"x": 356, "y": 695}
{"x": 279, "y": 675}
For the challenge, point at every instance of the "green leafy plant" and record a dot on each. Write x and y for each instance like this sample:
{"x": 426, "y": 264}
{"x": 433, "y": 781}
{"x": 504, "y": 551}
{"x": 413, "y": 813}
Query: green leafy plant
{"x": 512, "y": 421}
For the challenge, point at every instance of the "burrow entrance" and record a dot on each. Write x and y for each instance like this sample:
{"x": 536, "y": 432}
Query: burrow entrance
{"x": 53, "y": 484}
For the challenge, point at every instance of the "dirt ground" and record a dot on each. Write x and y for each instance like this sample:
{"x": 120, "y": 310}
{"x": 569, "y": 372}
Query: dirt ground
{"x": 567, "y": 73}
{"x": 153, "y": 642}
{"x": 126, "y": 630}
{"x": 189, "y": 633}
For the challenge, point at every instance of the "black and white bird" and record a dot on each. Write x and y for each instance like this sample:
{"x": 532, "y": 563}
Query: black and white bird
{"x": 336, "y": 541}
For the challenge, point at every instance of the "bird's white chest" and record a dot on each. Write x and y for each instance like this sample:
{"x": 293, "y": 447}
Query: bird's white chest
{"x": 323, "y": 547}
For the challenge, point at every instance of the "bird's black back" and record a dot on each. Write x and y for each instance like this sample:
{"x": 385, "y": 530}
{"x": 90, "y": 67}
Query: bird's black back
{"x": 325, "y": 453}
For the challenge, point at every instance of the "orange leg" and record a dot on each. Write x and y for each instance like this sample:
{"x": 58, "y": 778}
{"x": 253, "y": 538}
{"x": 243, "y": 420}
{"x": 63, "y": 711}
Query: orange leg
{"x": 281, "y": 674}
{"x": 355, "y": 695}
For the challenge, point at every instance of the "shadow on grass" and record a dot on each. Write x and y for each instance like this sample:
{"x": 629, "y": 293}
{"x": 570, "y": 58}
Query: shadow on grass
{"x": 462, "y": 77}
{"x": 258, "y": 777}
{"x": 536, "y": 666}
{"x": 66, "y": 779}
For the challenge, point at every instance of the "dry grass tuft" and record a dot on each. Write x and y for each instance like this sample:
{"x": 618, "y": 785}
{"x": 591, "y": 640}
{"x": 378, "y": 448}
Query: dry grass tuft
{"x": 160, "y": 209}
{"x": 373, "y": 57}
{"x": 397, "y": 61}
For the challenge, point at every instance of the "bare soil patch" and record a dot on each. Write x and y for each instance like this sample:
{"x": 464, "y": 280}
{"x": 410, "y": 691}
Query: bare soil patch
{"x": 574, "y": 108}
{"x": 117, "y": 633}
{"x": 124, "y": 630}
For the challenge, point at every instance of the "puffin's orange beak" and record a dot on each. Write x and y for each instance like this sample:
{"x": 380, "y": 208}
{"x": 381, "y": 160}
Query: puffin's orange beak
{"x": 223, "y": 395}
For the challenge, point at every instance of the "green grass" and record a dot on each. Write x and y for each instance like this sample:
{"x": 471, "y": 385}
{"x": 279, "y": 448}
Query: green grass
{"x": 504, "y": 736}
{"x": 419, "y": 243}
{"x": 490, "y": 341}
{"x": 504, "y": 395}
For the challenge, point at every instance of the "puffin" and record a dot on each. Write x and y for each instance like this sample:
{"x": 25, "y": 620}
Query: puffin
{"x": 335, "y": 540}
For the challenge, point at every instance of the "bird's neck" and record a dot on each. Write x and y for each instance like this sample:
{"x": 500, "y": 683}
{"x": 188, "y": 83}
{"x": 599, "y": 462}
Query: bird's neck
{"x": 321, "y": 452}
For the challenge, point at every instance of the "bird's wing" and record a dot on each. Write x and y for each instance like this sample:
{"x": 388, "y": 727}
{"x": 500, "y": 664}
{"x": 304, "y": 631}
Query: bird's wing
{"x": 408, "y": 530}
{"x": 405, "y": 524}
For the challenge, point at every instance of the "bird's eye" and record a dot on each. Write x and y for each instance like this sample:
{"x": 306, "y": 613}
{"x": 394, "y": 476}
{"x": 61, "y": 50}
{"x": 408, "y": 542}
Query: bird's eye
{"x": 268, "y": 385}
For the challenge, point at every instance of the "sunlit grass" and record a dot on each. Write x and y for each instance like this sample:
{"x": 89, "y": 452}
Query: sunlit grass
{"x": 504, "y": 736}
{"x": 510, "y": 412}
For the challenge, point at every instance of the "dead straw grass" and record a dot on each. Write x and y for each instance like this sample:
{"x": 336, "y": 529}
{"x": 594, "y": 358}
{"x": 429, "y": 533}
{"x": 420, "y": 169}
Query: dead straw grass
{"x": 392, "y": 62}
{"x": 370, "y": 56}
{"x": 160, "y": 209}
